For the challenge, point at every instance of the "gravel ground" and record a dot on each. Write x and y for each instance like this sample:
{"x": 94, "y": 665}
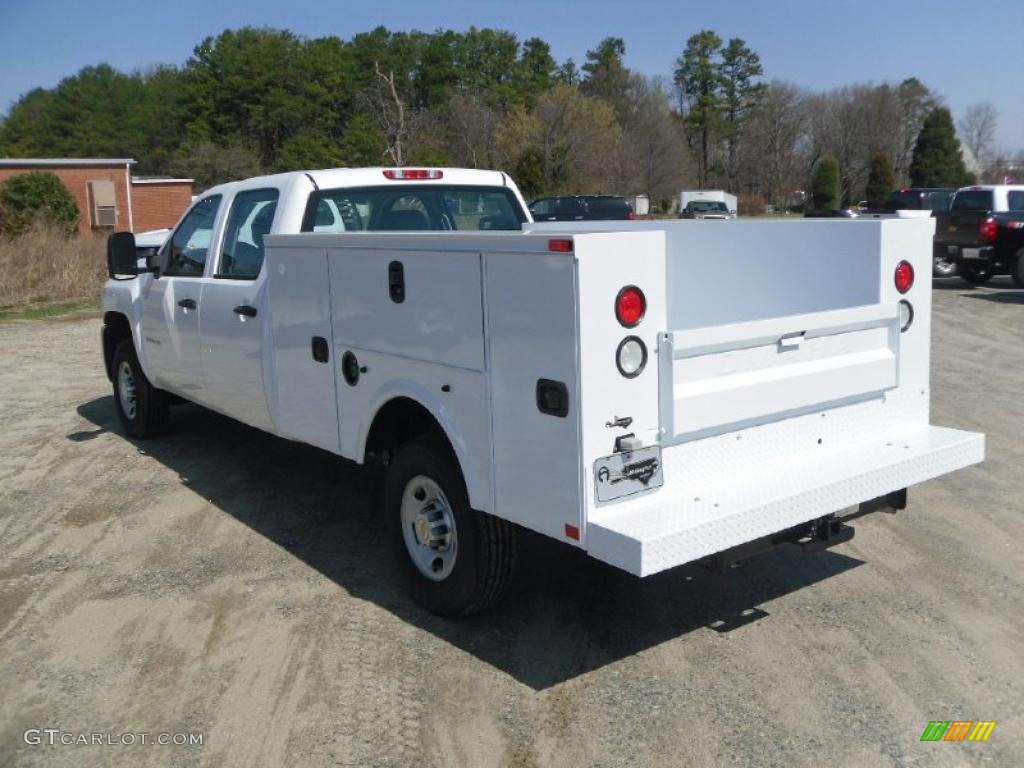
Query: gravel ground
{"x": 224, "y": 582}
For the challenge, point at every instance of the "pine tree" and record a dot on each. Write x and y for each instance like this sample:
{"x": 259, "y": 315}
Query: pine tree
{"x": 937, "y": 160}
{"x": 881, "y": 181}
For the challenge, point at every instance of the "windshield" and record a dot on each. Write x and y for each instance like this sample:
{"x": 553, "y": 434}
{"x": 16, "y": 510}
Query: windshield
{"x": 973, "y": 200}
{"x": 413, "y": 207}
{"x": 707, "y": 205}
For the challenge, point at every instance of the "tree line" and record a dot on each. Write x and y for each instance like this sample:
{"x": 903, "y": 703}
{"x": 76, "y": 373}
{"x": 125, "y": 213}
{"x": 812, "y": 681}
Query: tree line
{"x": 262, "y": 100}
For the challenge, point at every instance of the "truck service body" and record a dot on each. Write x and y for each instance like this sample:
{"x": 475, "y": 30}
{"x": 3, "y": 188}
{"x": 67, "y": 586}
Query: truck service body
{"x": 652, "y": 392}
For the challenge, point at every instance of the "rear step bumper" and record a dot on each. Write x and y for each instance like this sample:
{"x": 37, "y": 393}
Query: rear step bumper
{"x": 671, "y": 526}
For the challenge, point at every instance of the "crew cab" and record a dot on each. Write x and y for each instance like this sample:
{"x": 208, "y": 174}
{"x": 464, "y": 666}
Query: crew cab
{"x": 653, "y": 393}
{"x": 983, "y": 232}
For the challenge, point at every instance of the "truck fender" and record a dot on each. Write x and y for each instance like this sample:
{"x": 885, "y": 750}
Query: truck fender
{"x": 475, "y": 471}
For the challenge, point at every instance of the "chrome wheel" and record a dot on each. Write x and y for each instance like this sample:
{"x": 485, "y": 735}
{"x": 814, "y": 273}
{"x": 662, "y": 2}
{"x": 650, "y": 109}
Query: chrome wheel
{"x": 126, "y": 389}
{"x": 943, "y": 268}
{"x": 428, "y": 528}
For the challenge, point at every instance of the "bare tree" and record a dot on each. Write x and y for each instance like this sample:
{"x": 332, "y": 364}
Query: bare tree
{"x": 473, "y": 124}
{"x": 773, "y": 164}
{"x": 978, "y": 130}
{"x": 388, "y": 109}
{"x": 653, "y": 154}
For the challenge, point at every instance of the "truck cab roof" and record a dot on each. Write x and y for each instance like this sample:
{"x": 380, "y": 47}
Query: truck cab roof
{"x": 329, "y": 178}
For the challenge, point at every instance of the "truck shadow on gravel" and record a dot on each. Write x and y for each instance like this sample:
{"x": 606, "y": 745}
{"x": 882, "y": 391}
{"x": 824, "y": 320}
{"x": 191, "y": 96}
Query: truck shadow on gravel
{"x": 567, "y": 614}
{"x": 1003, "y": 297}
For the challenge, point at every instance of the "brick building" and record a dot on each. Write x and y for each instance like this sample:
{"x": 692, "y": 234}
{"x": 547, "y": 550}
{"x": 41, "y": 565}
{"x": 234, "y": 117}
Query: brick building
{"x": 159, "y": 202}
{"x": 108, "y": 197}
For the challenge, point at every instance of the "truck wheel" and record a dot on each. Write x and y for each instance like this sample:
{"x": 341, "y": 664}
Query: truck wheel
{"x": 1018, "y": 269}
{"x": 976, "y": 275}
{"x": 457, "y": 561}
{"x": 943, "y": 268}
{"x": 142, "y": 408}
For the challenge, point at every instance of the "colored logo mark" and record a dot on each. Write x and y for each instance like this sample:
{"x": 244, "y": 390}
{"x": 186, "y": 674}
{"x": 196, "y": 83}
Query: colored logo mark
{"x": 958, "y": 730}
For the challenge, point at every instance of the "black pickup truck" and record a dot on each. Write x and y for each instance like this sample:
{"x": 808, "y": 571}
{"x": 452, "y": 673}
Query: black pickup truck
{"x": 983, "y": 232}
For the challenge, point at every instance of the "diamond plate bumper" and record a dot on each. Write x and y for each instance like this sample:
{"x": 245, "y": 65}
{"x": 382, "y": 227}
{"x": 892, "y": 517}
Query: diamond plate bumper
{"x": 731, "y": 505}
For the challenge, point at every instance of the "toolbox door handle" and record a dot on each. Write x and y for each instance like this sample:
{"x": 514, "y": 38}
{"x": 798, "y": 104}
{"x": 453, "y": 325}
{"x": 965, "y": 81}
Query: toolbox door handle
{"x": 791, "y": 341}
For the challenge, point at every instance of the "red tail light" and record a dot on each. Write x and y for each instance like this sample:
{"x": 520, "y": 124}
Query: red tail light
{"x": 630, "y": 306}
{"x": 409, "y": 174}
{"x": 560, "y": 246}
{"x": 987, "y": 229}
{"x": 630, "y": 215}
{"x": 904, "y": 276}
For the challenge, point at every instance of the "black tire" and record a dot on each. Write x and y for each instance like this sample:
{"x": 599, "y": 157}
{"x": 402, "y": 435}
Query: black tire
{"x": 976, "y": 275}
{"x": 943, "y": 268}
{"x": 151, "y": 405}
{"x": 484, "y": 557}
{"x": 1017, "y": 273}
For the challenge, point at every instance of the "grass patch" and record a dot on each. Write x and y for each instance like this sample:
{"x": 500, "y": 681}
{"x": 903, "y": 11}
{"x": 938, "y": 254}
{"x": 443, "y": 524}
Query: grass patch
{"x": 72, "y": 309}
{"x": 42, "y": 269}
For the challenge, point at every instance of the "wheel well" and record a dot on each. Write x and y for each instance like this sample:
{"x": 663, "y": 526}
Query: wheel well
{"x": 115, "y": 330}
{"x": 395, "y": 423}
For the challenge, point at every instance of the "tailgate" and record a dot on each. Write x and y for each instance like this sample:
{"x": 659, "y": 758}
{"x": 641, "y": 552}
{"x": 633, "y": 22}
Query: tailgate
{"x": 960, "y": 228}
{"x": 721, "y": 378}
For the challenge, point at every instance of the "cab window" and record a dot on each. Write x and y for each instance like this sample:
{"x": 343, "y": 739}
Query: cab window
{"x": 250, "y": 220}
{"x": 190, "y": 242}
{"x": 1015, "y": 200}
{"x": 404, "y": 208}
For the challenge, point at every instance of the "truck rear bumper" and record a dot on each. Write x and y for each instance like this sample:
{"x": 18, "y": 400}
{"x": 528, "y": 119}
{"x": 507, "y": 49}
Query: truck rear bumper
{"x": 731, "y": 506}
{"x": 964, "y": 255}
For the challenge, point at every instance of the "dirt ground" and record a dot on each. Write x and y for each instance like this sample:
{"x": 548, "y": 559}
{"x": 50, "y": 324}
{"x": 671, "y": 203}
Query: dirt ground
{"x": 223, "y": 582}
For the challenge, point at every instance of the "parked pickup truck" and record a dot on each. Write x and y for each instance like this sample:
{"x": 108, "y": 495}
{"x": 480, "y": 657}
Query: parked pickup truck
{"x": 983, "y": 232}
{"x": 653, "y": 393}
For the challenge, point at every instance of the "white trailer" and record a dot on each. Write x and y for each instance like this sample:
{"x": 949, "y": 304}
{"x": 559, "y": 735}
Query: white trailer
{"x": 714, "y": 195}
{"x": 653, "y": 393}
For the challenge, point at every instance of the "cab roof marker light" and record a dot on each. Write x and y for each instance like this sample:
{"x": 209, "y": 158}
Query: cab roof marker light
{"x": 409, "y": 174}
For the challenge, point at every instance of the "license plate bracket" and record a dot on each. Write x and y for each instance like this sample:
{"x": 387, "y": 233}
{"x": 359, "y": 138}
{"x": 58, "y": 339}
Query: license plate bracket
{"x": 628, "y": 472}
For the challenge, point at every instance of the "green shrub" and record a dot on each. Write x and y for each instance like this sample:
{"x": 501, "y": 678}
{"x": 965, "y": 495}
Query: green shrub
{"x": 37, "y": 196}
{"x": 881, "y": 181}
{"x": 825, "y": 184}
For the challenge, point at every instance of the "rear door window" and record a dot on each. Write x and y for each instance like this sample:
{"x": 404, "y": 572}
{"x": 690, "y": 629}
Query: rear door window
{"x": 973, "y": 200}
{"x": 250, "y": 220}
{"x": 570, "y": 207}
{"x": 611, "y": 207}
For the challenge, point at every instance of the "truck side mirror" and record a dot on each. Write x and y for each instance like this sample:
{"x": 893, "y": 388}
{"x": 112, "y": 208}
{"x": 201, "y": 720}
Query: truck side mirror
{"x": 122, "y": 258}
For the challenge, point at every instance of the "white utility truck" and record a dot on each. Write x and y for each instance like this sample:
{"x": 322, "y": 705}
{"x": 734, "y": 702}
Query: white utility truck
{"x": 691, "y": 198}
{"x": 654, "y": 393}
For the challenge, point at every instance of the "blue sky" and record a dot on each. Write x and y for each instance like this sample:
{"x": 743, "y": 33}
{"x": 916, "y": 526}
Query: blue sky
{"x": 968, "y": 51}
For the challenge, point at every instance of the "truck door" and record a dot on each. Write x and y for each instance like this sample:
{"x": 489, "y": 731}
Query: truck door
{"x": 170, "y": 304}
{"x": 231, "y": 314}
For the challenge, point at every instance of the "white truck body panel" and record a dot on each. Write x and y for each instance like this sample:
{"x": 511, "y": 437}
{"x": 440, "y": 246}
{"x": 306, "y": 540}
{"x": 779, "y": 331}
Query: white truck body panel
{"x": 778, "y": 386}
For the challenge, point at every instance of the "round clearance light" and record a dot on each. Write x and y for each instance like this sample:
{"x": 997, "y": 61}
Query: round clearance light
{"x": 906, "y": 315}
{"x": 904, "y": 276}
{"x": 631, "y": 357}
{"x": 630, "y": 306}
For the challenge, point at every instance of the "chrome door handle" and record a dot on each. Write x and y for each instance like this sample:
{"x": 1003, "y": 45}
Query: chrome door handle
{"x": 245, "y": 310}
{"x": 187, "y": 304}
